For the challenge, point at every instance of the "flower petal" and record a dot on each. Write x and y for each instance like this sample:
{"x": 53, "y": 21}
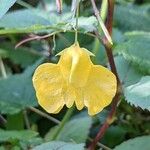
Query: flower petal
{"x": 100, "y": 89}
{"x": 65, "y": 63}
{"x": 70, "y": 96}
{"x": 81, "y": 65}
{"x": 74, "y": 95}
{"x": 49, "y": 103}
{"x": 49, "y": 85}
{"x": 75, "y": 65}
{"x": 79, "y": 101}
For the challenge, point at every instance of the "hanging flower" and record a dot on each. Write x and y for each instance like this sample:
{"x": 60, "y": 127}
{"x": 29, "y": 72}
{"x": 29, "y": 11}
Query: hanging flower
{"x": 74, "y": 79}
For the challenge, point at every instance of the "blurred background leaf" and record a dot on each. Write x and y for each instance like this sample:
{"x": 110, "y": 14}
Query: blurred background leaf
{"x": 59, "y": 145}
{"x": 75, "y": 130}
{"x": 136, "y": 143}
{"x": 5, "y": 5}
{"x": 18, "y": 90}
{"x": 132, "y": 17}
{"x": 139, "y": 93}
{"x": 136, "y": 49}
{"x": 131, "y": 40}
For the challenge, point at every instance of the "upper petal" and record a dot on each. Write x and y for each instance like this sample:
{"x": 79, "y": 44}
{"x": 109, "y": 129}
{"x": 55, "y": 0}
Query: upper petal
{"x": 65, "y": 63}
{"x": 75, "y": 65}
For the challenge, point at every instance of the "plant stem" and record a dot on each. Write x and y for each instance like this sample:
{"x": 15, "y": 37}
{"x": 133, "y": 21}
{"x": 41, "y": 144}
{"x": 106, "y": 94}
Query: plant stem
{"x": 59, "y": 6}
{"x": 44, "y": 114}
{"x": 100, "y": 21}
{"x": 108, "y": 48}
{"x": 104, "y": 8}
{"x": 26, "y": 119}
{"x": 63, "y": 122}
{"x": 109, "y": 22}
{"x": 35, "y": 37}
{"x": 2, "y": 67}
{"x": 77, "y": 16}
{"x": 4, "y": 75}
{"x": 101, "y": 145}
{"x": 2, "y": 120}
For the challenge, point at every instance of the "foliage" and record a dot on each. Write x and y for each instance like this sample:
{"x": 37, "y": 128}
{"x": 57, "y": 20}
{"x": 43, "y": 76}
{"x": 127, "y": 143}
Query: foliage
{"x": 136, "y": 49}
{"x": 23, "y": 123}
{"x": 5, "y": 6}
{"x": 24, "y": 138}
{"x": 138, "y": 94}
{"x": 20, "y": 95}
{"x": 138, "y": 143}
{"x": 60, "y": 146}
{"x": 68, "y": 134}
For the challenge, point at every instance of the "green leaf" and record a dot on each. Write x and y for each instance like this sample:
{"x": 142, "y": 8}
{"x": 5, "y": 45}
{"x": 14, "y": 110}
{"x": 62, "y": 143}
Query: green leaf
{"x": 136, "y": 50}
{"x": 128, "y": 74}
{"x": 5, "y": 5}
{"x": 139, "y": 143}
{"x": 17, "y": 90}
{"x": 34, "y": 142}
{"x": 139, "y": 93}
{"x": 69, "y": 132}
{"x": 23, "y": 56}
{"x": 2, "y": 148}
{"x": 117, "y": 36}
{"x": 132, "y": 17}
{"x": 12, "y": 119}
{"x": 87, "y": 24}
{"x": 16, "y": 135}
{"x": 32, "y": 20}
{"x": 22, "y": 139}
{"x": 23, "y": 19}
{"x": 55, "y": 145}
{"x": 114, "y": 135}
{"x": 39, "y": 21}
{"x": 7, "y": 108}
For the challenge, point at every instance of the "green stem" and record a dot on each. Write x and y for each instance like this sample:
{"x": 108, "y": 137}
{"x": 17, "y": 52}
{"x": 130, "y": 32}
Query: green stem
{"x": 104, "y": 8}
{"x": 100, "y": 21}
{"x": 4, "y": 75}
{"x": 77, "y": 16}
{"x": 63, "y": 122}
{"x": 26, "y": 119}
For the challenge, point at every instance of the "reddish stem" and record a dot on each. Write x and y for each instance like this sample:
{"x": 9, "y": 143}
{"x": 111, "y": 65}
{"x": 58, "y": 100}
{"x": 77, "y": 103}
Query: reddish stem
{"x": 34, "y": 37}
{"x": 108, "y": 49}
{"x": 109, "y": 22}
{"x": 59, "y": 6}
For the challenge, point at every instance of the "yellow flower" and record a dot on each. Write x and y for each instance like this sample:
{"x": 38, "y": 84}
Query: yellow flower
{"x": 74, "y": 79}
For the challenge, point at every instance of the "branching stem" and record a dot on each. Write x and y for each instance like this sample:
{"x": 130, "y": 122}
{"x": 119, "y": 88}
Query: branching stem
{"x": 108, "y": 48}
{"x": 43, "y": 114}
{"x": 100, "y": 21}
